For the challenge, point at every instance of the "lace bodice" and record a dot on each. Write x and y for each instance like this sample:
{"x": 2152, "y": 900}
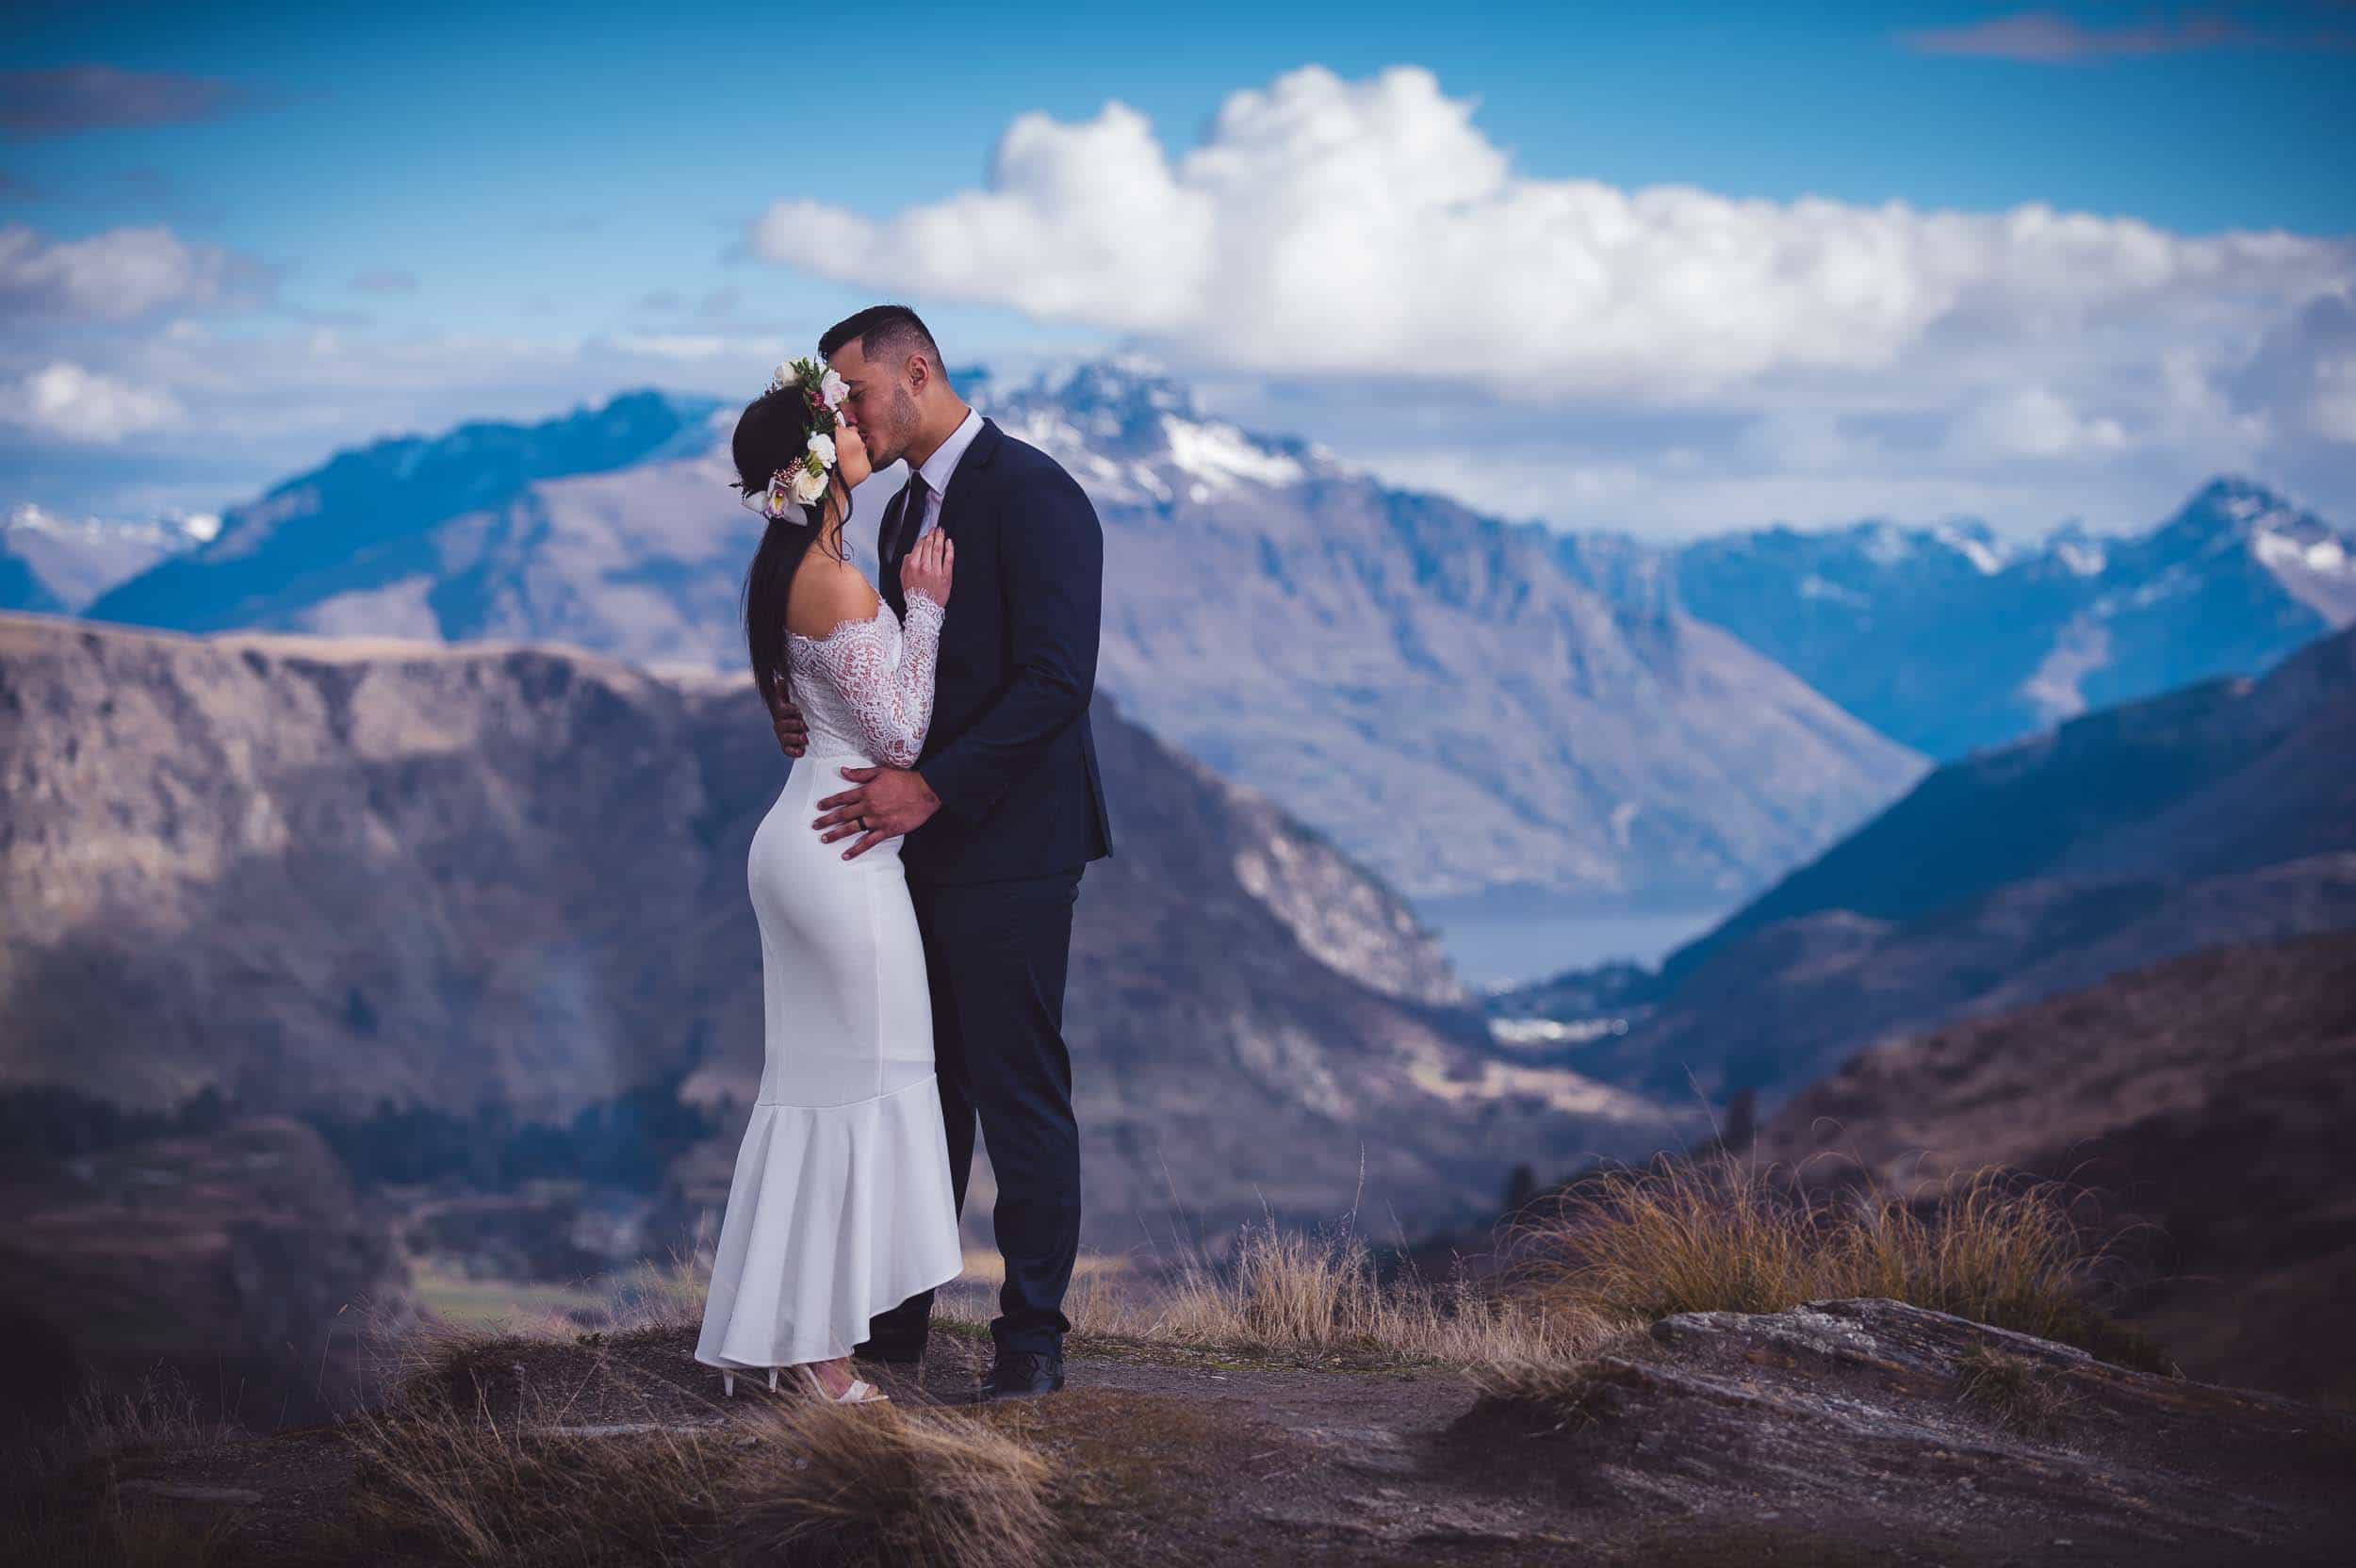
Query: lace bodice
{"x": 867, "y": 686}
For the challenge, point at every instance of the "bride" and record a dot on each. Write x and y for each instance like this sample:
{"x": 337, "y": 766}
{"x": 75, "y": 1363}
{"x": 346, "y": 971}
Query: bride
{"x": 840, "y": 1204}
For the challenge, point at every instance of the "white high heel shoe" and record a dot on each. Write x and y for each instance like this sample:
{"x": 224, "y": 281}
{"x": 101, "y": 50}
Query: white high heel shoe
{"x": 861, "y": 1392}
{"x": 728, "y": 1383}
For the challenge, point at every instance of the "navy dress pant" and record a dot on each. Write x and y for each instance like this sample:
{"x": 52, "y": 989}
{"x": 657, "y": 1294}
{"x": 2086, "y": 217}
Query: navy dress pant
{"x": 996, "y": 954}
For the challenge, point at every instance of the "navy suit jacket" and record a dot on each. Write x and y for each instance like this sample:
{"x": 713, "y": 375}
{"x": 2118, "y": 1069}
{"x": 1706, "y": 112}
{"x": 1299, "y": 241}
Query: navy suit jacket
{"x": 1009, "y": 752}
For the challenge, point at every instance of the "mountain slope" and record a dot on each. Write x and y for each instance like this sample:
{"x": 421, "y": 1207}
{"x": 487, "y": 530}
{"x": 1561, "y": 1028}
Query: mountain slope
{"x": 76, "y": 559}
{"x": 2208, "y": 1098}
{"x": 2221, "y": 814}
{"x": 319, "y": 873}
{"x": 1428, "y": 685}
{"x": 21, "y": 586}
{"x": 1436, "y": 691}
{"x": 1944, "y": 640}
{"x": 408, "y": 536}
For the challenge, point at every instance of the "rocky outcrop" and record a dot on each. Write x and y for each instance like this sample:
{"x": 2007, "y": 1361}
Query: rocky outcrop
{"x": 319, "y": 873}
{"x": 1872, "y": 1428}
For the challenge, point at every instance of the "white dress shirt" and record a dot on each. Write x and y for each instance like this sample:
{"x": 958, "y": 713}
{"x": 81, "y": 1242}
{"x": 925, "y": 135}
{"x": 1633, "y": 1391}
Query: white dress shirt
{"x": 938, "y": 468}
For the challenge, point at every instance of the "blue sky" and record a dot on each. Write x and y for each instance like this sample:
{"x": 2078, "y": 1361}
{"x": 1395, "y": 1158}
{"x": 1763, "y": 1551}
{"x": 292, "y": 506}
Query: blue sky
{"x": 478, "y": 211}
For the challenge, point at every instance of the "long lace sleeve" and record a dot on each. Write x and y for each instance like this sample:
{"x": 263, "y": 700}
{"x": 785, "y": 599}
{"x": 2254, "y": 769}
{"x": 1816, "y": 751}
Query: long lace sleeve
{"x": 885, "y": 675}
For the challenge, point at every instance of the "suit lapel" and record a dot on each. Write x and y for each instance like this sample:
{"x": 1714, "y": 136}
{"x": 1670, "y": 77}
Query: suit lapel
{"x": 963, "y": 482}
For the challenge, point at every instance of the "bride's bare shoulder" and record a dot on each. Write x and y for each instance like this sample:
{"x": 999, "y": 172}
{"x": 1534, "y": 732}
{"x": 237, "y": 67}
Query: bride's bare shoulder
{"x": 825, "y": 593}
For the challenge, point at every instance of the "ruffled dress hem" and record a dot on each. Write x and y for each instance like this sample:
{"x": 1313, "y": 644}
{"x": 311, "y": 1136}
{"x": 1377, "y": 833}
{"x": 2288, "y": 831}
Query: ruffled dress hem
{"x": 835, "y": 1213}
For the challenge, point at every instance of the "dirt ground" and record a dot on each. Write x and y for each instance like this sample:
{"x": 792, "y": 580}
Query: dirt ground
{"x": 1717, "y": 1444}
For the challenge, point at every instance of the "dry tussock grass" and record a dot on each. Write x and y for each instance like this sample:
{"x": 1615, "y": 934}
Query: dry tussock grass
{"x": 461, "y": 1463}
{"x": 1719, "y": 1234}
{"x": 159, "y": 1412}
{"x": 61, "y": 1503}
{"x": 836, "y": 1485}
{"x": 2019, "y": 1394}
{"x": 1288, "y": 1291}
{"x": 116, "y": 1533}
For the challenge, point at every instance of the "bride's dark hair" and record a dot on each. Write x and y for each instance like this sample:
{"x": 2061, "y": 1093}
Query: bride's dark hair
{"x": 772, "y": 434}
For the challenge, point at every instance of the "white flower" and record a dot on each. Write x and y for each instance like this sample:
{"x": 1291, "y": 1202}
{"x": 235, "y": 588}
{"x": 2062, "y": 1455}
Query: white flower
{"x": 832, "y": 389}
{"x": 822, "y": 447}
{"x": 783, "y": 377}
{"x": 808, "y": 488}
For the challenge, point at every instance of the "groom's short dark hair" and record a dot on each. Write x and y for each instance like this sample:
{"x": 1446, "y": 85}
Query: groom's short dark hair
{"x": 882, "y": 331}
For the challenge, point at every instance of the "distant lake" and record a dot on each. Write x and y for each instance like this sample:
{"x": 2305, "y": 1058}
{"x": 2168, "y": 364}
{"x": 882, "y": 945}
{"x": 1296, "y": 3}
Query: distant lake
{"x": 1511, "y": 939}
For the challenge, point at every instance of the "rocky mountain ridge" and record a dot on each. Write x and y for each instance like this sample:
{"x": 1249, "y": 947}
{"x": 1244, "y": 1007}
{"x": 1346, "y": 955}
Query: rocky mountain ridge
{"x": 1949, "y": 639}
{"x": 2221, "y": 814}
{"x": 1429, "y": 687}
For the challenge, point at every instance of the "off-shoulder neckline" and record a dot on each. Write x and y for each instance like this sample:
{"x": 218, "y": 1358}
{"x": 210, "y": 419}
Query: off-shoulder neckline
{"x": 871, "y": 618}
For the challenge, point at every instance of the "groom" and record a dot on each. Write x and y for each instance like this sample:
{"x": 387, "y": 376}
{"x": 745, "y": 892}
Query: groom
{"x": 1001, "y": 813}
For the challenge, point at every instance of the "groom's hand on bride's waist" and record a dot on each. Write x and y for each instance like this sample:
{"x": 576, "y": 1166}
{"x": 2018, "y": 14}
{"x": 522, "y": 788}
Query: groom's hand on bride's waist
{"x": 888, "y": 804}
{"x": 786, "y": 719}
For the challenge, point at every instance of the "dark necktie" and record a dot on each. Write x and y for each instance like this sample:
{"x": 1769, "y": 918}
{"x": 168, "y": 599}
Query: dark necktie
{"x": 912, "y": 516}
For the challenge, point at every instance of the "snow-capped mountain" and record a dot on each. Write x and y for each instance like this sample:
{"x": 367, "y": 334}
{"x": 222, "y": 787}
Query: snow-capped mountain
{"x": 54, "y": 564}
{"x": 1947, "y": 640}
{"x": 1456, "y": 701}
{"x": 610, "y": 528}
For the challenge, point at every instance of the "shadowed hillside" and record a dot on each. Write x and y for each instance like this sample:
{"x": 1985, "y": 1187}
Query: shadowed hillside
{"x": 318, "y": 874}
{"x": 2208, "y": 1100}
{"x": 2225, "y": 814}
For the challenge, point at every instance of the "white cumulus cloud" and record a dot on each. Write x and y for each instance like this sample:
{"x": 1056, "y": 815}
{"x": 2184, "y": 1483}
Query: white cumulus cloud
{"x": 2033, "y": 421}
{"x": 111, "y": 276}
{"x": 65, "y": 400}
{"x": 1328, "y": 227}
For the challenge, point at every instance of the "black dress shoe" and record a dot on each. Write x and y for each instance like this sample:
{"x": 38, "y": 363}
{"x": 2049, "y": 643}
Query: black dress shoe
{"x": 890, "y": 1353}
{"x": 1022, "y": 1374}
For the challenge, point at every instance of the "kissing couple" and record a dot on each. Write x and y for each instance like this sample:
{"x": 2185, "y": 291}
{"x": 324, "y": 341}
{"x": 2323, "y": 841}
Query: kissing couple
{"x": 912, "y": 977}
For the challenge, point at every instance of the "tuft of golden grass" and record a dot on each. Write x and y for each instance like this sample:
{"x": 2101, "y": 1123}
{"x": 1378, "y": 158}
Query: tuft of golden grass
{"x": 158, "y": 1412}
{"x": 1291, "y": 1293}
{"x": 837, "y": 1484}
{"x": 465, "y": 1463}
{"x": 1720, "y": 1234}
{"x": 59, "y": 1498}
{"x": 2020, "y": 1395}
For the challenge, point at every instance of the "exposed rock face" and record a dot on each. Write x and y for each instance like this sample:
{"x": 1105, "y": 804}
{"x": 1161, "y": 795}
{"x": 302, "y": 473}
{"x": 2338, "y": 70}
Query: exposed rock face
{"x": 2221, "y": 814}
{"x": 1948, "y": 640}
{"x": 1862, "y": 1426}
{"x": 227, "y": 1257}
{"x": 2209, "y": 1100}
{"x": 317, "y": 873}
{"x": 1453, "y": 700}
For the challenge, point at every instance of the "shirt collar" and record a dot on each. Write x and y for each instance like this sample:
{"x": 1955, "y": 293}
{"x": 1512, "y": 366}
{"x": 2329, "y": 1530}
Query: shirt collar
{"x": 943, "y": 462}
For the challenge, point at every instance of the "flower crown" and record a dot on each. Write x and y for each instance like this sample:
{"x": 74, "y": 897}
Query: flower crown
{"x": 801, "y": 483}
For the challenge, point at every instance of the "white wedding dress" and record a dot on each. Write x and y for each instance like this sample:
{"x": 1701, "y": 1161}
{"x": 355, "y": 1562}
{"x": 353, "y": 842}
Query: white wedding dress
{"x": 840, "y": 1205}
